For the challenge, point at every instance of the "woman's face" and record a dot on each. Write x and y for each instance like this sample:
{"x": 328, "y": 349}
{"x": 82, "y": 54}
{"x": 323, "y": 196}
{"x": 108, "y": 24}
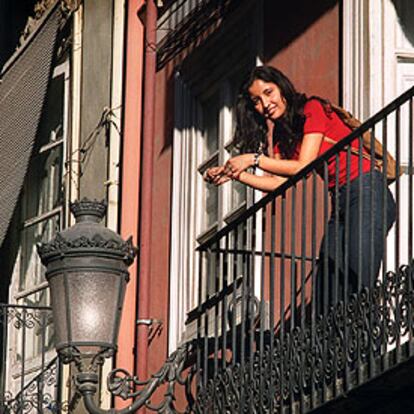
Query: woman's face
{"x": 267, "y": 99}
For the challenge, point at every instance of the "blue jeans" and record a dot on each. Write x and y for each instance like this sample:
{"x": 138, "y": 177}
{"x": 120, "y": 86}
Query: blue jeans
{"x": 354, "y": 257}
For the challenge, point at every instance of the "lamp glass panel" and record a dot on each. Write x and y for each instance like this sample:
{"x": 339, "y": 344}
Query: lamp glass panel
{"x": 59, "y": 307}
{"x": 94, "y": 306}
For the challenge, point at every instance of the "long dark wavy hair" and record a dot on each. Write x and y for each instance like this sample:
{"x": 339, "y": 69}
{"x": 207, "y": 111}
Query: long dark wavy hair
{"x": 251, "y": 129}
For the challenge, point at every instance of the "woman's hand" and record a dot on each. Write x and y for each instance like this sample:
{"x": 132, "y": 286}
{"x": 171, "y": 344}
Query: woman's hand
{"x": 236, "y": 165}
{"x": 216, "y": 175}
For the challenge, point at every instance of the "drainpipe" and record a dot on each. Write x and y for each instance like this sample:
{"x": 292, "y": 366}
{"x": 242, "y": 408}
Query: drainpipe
{"x": 130, "y": 176}
{"x": 146, "y": 190}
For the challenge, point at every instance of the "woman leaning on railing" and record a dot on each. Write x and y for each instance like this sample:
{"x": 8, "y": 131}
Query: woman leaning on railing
{"x": 302, "y": 129}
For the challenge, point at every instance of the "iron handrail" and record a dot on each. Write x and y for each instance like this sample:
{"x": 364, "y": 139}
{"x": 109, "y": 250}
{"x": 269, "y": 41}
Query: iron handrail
{"x": 28, "y": 307}
{"x": 38, "y": 377}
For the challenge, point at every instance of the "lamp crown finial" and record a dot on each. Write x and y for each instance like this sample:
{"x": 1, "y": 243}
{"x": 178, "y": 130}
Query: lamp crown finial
{"x": 88, "y": 210}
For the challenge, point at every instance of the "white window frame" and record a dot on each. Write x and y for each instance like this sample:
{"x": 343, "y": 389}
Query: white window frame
{"x": 60, "y": 70}
{"x": 33, "y": 364}
{"x": 188, "y": 193}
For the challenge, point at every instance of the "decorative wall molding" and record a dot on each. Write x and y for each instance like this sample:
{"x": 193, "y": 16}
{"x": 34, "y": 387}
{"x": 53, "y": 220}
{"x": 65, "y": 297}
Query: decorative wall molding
{"x": 40, "y": 10}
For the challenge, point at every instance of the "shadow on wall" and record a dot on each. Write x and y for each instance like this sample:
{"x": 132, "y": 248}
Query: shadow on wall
{"x": 296, "y": 17}
{"x": 285, "y": 20}
{"x": 405, "y": 13}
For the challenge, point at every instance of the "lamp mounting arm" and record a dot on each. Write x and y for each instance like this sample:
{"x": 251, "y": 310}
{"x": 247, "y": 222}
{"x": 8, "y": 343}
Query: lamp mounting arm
{"x": 121, "y": 384}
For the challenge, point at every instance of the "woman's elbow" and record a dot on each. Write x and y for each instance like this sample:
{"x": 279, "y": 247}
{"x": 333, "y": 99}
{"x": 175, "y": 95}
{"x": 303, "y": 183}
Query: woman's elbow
{"x": 275, "y": 183}
{"x": 300, "y": 166}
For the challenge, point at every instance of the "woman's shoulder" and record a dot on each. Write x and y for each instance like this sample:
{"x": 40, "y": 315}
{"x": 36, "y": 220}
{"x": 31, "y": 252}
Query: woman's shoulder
{"x": 314, "y": 104}
{"x": 318, "y": 108}
{"x": 317, "y": 118}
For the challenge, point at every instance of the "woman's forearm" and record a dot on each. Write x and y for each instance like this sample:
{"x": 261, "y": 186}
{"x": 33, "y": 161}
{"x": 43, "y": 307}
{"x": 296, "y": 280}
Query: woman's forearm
{"x": 309, "y": 151}
{"x": 264, "y": 183}
{"x": 286, "y": 168}
{"x": 234, "y": 166}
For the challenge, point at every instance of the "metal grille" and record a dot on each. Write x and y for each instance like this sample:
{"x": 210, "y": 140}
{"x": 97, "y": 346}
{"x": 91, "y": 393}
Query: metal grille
{"x": 29, "y": 371}
{"x": 22, "y": 92}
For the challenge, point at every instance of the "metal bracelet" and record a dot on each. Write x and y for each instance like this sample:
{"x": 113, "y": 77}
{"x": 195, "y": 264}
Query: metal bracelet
{"x": 256, "y": 158}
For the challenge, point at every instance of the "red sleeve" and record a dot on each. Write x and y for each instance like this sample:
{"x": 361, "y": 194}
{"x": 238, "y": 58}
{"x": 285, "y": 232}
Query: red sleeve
{"x": 316, "y": 119}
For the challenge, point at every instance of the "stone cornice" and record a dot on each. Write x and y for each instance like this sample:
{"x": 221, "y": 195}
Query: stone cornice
{"x": 40, "y": 9}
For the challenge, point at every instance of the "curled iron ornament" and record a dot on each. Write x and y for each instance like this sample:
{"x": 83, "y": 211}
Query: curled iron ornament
{"x": 121, "y": 384}
{"x": 33, "y": 397}
{"x": 319, "y": 356}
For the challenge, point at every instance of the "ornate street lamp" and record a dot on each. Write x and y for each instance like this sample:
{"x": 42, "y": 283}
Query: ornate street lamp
{"x": 87, "y": 270}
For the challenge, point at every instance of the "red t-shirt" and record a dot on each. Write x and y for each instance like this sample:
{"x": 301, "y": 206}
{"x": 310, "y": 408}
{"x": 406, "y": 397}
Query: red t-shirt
{"x": 331, "y": 126}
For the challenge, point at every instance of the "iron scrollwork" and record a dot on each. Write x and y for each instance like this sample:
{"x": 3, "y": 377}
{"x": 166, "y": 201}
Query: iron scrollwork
{"x": 121, "y": 384}
{"x": 305, "y": 362}
{"x": 36, "y": 395}
{"x": 31, "y": 385}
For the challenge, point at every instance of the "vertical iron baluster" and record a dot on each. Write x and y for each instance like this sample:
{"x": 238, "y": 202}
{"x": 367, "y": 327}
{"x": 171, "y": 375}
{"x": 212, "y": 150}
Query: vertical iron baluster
{"x": 326, "y": 241}
{"x": 233, "y": 330}
{"x": 384, "y": 338}
{"x": 251, "y": 308}
{"x": 224, "y": 321}
{"x": 40, "y": 387}
{"x": 293, "y": 283}
{"x": 360, "y": 209}
{"x": 282, "y": 302}
{"x": 303, "y": 233}
{"x": 335, "y": 286}
{"x": 359, "y": 266}
{"x": 262, "y": 308}
{"x": 293, "y": 262}
{"x": 255, "y": 305}
{"x": 333, "y": 291}
{"x": 337, "y": 239}
{"x": 216, "y": 308}
{"x": 397, "y": 229}
{"x": 23, "y": 362}
{"x": 199, "y": 352}
{"x": 206, "y": 372}
{"x": 270, "y": 362}
{"x": 244, "y": 292}
{"x": 314, "y": 294}
{"x": 326, "y": 282}
{"x": 218, "y": 318}
{"x": 410, "y": 218}
{"x": 372, "y": 208}
{"x": 347, "y": 350}
{"x": 372, "y": 276}
{"x": 58, "y": 388}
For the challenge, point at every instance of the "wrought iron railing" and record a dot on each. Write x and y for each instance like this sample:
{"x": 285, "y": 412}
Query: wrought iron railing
{"x": 30, "y": 371}
{"x": 282, "y": 328}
